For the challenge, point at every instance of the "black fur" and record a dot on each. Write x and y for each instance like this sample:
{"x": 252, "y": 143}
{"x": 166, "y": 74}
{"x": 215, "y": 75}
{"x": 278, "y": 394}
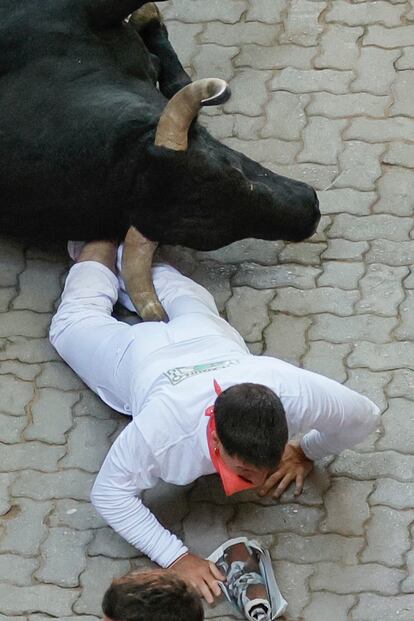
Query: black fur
{"x": 78, "y": 112}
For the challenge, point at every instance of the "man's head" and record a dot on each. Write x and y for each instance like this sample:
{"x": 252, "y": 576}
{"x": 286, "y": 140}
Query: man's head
{"x": 151, "y": 596}
{"x": 251, "y": 430}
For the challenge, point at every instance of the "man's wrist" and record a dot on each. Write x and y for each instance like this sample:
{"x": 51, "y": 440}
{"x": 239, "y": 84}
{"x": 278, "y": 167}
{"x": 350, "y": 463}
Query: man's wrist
{"x": 178, "y": 559}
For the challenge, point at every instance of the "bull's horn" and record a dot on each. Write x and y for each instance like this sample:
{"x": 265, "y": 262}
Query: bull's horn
{"x": 179, "y": 113}
{"x": 136, "y": 272}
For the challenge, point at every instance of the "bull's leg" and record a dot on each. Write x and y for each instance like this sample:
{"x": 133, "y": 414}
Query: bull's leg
{"x": 111, "y": 12}
{"x": 148, "y": 22}
{"x": 136, "y": 272}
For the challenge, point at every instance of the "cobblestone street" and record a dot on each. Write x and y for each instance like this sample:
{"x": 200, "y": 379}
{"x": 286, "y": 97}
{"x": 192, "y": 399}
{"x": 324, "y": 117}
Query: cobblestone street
{"x": 322, "y": 92}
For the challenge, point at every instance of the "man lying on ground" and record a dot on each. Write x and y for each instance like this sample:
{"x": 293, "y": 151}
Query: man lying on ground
{"x": 168, "y": 376}
{"x": 151, "y": 596}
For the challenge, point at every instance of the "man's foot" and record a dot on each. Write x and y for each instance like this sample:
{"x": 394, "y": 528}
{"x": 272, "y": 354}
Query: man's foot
{"x": 101, "y": 251}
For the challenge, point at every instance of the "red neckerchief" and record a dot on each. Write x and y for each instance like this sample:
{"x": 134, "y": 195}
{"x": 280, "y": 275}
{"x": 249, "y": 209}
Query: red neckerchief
{"x": 231, "y": 481}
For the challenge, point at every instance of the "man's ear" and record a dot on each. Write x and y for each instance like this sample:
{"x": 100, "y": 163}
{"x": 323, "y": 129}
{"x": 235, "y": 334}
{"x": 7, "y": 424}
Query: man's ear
{"x": 215, "y": 439}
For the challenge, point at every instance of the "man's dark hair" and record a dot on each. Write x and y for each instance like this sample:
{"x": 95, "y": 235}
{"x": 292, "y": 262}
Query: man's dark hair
{"x": 251, "y": 424}
{"x": 151, "y": 596}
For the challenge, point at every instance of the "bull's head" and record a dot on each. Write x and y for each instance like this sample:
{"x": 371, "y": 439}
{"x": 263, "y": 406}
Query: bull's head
{"x": 205, "y": 195}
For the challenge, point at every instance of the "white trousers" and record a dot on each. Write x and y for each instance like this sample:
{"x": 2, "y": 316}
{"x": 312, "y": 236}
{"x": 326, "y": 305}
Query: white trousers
{"x": 109, "y": 355}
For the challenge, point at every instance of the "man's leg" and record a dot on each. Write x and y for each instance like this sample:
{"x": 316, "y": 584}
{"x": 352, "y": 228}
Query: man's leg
{"x": 83, "y": 331}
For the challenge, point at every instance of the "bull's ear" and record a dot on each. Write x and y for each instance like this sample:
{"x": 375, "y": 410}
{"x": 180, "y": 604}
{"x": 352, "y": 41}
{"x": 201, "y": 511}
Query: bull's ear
{"x": 105, "y": 13}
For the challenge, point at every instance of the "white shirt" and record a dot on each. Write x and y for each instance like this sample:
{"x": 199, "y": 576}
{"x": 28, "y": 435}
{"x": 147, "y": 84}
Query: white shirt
{"x": 167, "y": 438}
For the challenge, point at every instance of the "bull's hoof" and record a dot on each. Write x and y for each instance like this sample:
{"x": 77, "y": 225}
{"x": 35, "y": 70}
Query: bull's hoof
{"x": 148, "y": 14}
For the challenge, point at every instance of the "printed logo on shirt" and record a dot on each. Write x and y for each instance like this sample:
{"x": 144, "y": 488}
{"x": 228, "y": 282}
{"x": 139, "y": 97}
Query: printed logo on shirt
{"x": 179, "y": 374}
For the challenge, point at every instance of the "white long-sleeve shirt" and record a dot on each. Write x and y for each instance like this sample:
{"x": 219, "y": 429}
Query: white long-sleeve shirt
{"x": 162, "y": 375}
{"x": 167, "y": 439}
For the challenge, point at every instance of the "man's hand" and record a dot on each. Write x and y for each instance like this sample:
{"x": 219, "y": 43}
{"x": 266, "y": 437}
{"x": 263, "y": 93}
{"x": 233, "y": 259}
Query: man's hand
{"x": 294, "y": 466}
{"x": 201, "y": 574}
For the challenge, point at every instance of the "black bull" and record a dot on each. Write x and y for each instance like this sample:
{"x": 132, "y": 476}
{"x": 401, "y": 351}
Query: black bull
{"x": 90, "y": 149}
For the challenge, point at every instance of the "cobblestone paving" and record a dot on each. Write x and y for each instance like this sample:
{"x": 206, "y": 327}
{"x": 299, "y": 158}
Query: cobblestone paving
{"x": 322, "y": 91}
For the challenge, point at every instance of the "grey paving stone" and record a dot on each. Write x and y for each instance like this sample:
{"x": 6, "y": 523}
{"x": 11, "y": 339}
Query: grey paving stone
{"x": 320, "y": 300}
{"x": 399, "y": 154}
{"x": 183, "y": 38}
{"x": 402, "y": 88}
{"x": 247, "y": 312}
{"x": 204, "y": 541}
{"x": 264, "y": 150}
{"x": 285, "y": 337}
{"x": 242, "y": 33}
{"x": 247, "y": 127}
{"x": 285, "y": 518}
{"x": 339, "y": 106}
{"x": 382, "y": 357}
{"x": 321, "y": 232}
{"x": 84, "y": 618}
{"x": 16, "y": 348}
{"x": 342, "y": 249}
{"x": 260, "y": 57}
{"x": 91, "y": 405}
{"x": 380, "y": 12}
{"x": 381, "y": 289}
{"x": 16, "y": 569}
{"x": 360, "y": 166}
{"x": 372, "y": 607}
{"x": 215, "y": 60}
{"x": 258, "y": 251}
{"x": 327, "y": 327}
{"x": 398, "y": 426}
{"x": 88, "y": 443}
{"x": 388, "y": 550}
{"x": 408, "y": 584}
{"x": 6, "y": 296}
{"x": 15, "y": 395}
{"x": 372, "y": 385}
{"x": 375, "y": 71}
{"x": 329, "y": 606}
{"x": 380, "y": 130}
{"x": 317, "y": 548}
{"x": 389, "y": 37}
{"x": 406, "y": 60}
{"x": 347, "y": 507}
{"x": 221, "y": 127}
{"x": 312, "y": 80}
{"x": 393, "y": 494}
{"x": 36, "y": 455}
{"x": 285, "y": 116}
{"x": 75, "y": 514}
{"x": 302, "y": 25}
{"x": 26, "y": 372}
{"x": 391, "y": 253}
{"x": 43, "y": 598}
{"x": 249, "y": 92}
{"x": 216, "y": 278}
{"x": 267, "y": 11}
{"x": 11, "y": 260}
{"x": 40, "y": 286}
{"x": 24, "y": 323}
{"x": 6, "y": 479}
{"x": 51, "y": 415}
{"x": 11, "y": 428}
{"x": 395, "y": 189}
{"x": 95, "y": 580}
{"x": 107, "y": 542}
{"x": 402, "y": 384}
{"x": 362, "y": 466}
{"x": 359, "y": 228}
{"x": 58, "y": 375}
{"x": 293, "y": 581}
{"x": 262, "y": 277}
{"x": 198, "y": 11}
{"x": 340, "y": 274}
{"x": 367, "y": 577}
{"x": 64, "y": 557}
{"x": 255, "y": 348}
{"x": 320, "y": 177}
{"x": 346, "y": 201}
{"x": 339, "y": 37}
{"x": 73, "y": 484}
{"x": 327, "y": 359}
{"x": 322, "y": 140}
{"x": 24, "y": 528}
{"x": 304, "y": 253}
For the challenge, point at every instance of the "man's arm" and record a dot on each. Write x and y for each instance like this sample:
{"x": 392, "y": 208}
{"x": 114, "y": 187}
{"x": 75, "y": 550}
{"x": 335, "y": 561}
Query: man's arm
{"x": 129, "y": 468}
